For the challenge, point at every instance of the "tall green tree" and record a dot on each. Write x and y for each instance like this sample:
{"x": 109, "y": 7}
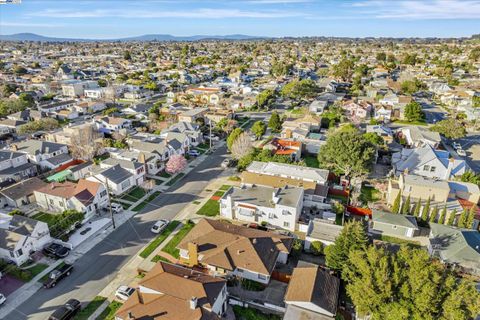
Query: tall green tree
{"x": 275, "y": 123}
{"x": 413, "y": 112}
{"x": 352, "y": 237}
{"x": 450, "y": 128}
{"x": 462, "y": 221}
{"x": 470, "y": 217}
{"x": 266, "y": 98}
{"x": 396, "y": 203}
{"x": 233, "y": 136}
{"x": 418, "y": 205}
{"x": 426, "y": 210}
{"x": 443, "y": 214}
{"x": 347, "y": 152}
{"x": 406, "y": 206}
{"x": 433, "y": 214}
{"x": 451, "y": 217}
{"x": 259, "y": 128}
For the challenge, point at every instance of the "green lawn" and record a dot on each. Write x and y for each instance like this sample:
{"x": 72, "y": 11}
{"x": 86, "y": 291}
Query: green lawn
{"x": 242, "y": 313}
{"x": 225, "y": 187}
{"x": 164, "y": 174}
{"x": 399, "y": 241}
{"x": 86, "y": 312}
{"x": 134, "y": 195}
{"x": 159, "y": 239}
{"x": 416, "y": 123}
{"x": 48, "y": 218}
{"x": 311, "y": 161}
{"x": 146, "y": 201}
{"x": 109, "y": 312}
{"x": 203, "y": 146}
{"x": 171, "y": 247}
{"x": 158, "y": 258}
{"x": 369, "y": 194}
{"x": 175, "y": 179}
{"x": 211, "y": 208}
{"x": 219, "y": 193}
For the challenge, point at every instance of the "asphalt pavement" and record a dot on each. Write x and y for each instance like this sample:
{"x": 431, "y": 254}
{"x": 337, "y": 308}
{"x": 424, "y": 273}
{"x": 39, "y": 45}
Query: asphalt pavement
{"x": 94, "y": 270}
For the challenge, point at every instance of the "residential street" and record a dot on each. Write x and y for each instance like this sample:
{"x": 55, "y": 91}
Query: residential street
{"x": 93, "y": 271}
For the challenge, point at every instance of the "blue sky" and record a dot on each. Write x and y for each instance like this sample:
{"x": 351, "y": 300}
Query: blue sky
{"x": 353, "y": 18}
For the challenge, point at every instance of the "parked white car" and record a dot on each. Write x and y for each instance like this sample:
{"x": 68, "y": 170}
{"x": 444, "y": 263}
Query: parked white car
{"x": 225, "y": 163}
{"x": 461, "y": 152}
{"x": 124, "y": 292}
{"x": 456, "y": 145}
{"x": 159, "y": 226}
{"x": 2, "y": 299}
{"x": 117, "y": 207}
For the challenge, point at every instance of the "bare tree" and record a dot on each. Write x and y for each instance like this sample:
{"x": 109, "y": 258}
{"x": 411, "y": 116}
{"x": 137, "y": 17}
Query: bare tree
{"x": 86, "y": 143}
{"x": 242, "y": 146}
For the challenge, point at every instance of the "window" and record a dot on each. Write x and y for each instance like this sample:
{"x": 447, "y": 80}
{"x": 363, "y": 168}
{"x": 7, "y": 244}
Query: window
{"x": 432, "y": 169}
{"x": 61, "y": 203}
{"x": 19, "y": 253}
{"x": 51, "y": 202}
{"x": 262, "y": 277}
{"x": 426, "y": 168}
{"x": 240, "y": 270}
{"x": 394, "y": 227}
{"x": 286, "y": 224}
{"x": 125, "y": 184}
{"x": 103, "y": 193}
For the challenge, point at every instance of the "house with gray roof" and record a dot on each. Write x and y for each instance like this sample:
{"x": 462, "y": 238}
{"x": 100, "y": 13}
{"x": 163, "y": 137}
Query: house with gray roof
{"x": 428, "y": 162}
{"x": 20, "y": 193}
{"x": 14, "y": 166}
{"x": 23, "y": 236}
{"x": 454, "y": 246}
{"x": 280, "y": 207}
{"x": 391, "y": 224}
{"x": 48, "y": 155}
{"x": 321, "y": 230}
{"x": 417, "y": 136}
{"x": 119, "y": 179}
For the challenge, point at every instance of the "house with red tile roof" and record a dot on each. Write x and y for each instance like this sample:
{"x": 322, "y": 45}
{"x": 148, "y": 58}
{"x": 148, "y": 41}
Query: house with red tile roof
{"x": 285, "y": 147}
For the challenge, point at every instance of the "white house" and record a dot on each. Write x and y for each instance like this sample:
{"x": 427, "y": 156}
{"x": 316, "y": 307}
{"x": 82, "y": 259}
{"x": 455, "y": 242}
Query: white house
{"x": 119, "y": 179}
{"x": 22, "y": 237}
{"x": 84, "y": 196}
{"x": 14, "y": 166}
{"x": 279, "y": 207}
{"x": 46, "y": 154}
{"x": 112, "y": 124}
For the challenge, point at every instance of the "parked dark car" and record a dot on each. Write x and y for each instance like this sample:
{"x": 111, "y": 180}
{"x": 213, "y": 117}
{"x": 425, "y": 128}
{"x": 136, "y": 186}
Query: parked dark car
{"x": 55, "y": 250}
{"x": 58, "y": 274}
{"x": 67, "y": 311}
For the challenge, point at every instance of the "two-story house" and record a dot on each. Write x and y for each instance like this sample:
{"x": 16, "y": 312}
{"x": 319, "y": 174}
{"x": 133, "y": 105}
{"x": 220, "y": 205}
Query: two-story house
{"x": 279, "y": 207}
{"x": 14, "y": 166}
{"x": 226, "y": 249}
{"x": 48, "y": 155}
{"x": 110, "y": 125}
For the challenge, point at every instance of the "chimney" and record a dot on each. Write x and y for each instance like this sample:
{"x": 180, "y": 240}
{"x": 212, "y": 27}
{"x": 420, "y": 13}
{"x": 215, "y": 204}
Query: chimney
{"x": 139, "y": 295}
{"x": 130, "y": 315}
{"x": 193, "y": 303}
{"x": 141, "y": 157}
{"x": 192, "y": 253}
{"x": 14, "y": 147}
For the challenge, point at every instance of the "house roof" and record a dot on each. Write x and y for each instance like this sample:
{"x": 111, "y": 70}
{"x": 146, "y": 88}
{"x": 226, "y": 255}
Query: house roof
{"x": 324, "y": 231}
{"x": 23, "y": 188}
{"x": 455, "y": 245}
{"x": 9, "y": 239}
{"x": 289, "y": 170}
{"x": 314, "y": 285}
{"x": 116, "y": 174}
{"x": 394, "y": 219}
{"x": 231, "y": 246}
{"x": 35, "y": 147}
{"x": 84, "y": 190}
{"x": 23, "y": 225}
{"x": 170, "y": 288}
{"x": 263, "y": 195}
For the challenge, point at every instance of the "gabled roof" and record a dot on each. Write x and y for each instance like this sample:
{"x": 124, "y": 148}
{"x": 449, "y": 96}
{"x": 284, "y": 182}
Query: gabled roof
{"x": 35, "y": 147}
{"x": 231, "y": 246}
{"x": 394, "y": 219}
{"x": 22, "y": 225}
{"x": 165, "y": 293}
{"x": 23, "y": 188}
{"x": 314, "y": 285}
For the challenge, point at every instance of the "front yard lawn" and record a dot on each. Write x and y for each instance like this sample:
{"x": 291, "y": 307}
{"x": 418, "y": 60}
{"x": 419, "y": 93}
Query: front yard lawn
{"x": 211, "y": 208}
{"x": 134, "y": 195}
{"x": 225, "y": 187}
{"x": 171, "y": 247}
{"x": 219, "y": 193}
{"x": 164, "y": 174}
{"x": 175, "y": 179}
{"x": 109, "y": 312}
{"x": 159, "y": 239}
{"x": 86, "y": 312}
{"x": 146, "y": 201}
{"x": 158, "y": 258}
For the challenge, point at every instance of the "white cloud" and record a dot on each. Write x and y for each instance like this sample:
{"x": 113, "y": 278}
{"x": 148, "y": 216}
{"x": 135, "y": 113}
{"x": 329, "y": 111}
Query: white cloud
{"x": 29, "y": 25}
{"x": 427, "y": 9}
{"x": 205, "y": 13}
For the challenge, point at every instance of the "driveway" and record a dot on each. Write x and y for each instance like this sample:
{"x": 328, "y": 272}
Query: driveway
{"x": 94, "y": 270}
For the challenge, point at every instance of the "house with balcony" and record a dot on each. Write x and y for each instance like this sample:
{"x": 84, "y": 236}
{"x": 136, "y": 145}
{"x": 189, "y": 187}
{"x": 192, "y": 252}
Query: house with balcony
{"x": 226, "y": 249}
{"x": 280, "y": 207}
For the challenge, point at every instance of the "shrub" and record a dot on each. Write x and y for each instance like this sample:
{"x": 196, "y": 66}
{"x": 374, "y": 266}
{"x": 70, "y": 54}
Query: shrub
{"x": 317, "y": 248}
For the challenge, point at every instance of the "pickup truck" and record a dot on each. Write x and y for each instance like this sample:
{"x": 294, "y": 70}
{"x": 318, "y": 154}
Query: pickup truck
{"x": 67, "y": 311}
{"x": 57, "y": 275}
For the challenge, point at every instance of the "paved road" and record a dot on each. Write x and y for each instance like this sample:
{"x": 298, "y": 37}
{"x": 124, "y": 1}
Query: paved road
{"x": 99, "y": 266}
{"x": 433, "y": 113}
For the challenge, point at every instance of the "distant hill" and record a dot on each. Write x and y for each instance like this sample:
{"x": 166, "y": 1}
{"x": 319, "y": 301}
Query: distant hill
{"x": 146, "y": 37}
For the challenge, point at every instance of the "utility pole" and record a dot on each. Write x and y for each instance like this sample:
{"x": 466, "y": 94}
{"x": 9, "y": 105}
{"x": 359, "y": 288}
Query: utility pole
{"x": 210, "y": 122}
{"x": 109, "y": 200}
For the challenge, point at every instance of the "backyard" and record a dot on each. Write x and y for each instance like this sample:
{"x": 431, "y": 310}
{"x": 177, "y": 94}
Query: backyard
{"x": 242, "y": 313}
{"x": 369, "y": 194}
{"x": 171, "y": 247}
